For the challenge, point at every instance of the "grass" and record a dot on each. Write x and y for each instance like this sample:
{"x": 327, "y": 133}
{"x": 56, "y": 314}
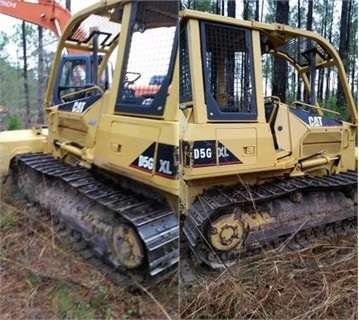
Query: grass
{"x": 41, "y": 278}
{"x": 319, "y": 282}
{"x": 69, "y": 305}
{"x": 7, "y": 221}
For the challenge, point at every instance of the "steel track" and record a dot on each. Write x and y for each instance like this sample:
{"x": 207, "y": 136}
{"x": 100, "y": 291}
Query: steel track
{"x": 192, "y": 271}
{"x": 286, "y": 207}
{"x": 88, "y": 208}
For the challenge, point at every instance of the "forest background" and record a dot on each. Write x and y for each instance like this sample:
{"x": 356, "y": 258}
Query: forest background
{"x": 27, "y": 50}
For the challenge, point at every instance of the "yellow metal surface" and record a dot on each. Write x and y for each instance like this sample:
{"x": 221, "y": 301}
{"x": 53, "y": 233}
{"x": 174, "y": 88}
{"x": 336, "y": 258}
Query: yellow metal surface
{"x": 127, "y": 246}
{"x": 18, "y": 142}
{"x": 227, "y": 233}
{"x": 120, "y": 140}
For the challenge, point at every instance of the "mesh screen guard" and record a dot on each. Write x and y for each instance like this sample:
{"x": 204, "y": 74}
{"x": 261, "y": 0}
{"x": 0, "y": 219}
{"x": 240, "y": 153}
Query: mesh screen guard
{"x": 228, "y": 74}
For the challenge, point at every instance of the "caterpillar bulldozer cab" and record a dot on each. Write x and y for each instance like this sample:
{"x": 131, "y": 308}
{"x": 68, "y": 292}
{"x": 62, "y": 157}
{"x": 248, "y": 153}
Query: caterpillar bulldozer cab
{"x": 106, "y": 167}
{"x": 255, "y": 169}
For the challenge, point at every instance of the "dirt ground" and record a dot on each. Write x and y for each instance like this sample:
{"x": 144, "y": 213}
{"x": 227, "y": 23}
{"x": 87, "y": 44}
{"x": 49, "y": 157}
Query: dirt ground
{"x": 41, "y": 278}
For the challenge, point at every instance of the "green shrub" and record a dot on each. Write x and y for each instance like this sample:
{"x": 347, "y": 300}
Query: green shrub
{"x": 14, "y": 123}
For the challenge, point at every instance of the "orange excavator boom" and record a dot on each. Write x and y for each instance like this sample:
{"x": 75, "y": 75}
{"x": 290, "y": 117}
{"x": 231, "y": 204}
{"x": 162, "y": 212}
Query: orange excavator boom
{"x": 45, "y": 13}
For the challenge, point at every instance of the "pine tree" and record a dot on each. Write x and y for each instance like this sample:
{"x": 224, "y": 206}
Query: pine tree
{"x": 280, "y": 68}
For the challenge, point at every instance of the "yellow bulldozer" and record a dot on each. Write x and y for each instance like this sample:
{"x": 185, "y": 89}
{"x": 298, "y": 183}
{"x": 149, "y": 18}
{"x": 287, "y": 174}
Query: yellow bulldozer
{"x": 206, "y": 153}
{"x": 106, "y": 165}
{"x": 254, "y": 169}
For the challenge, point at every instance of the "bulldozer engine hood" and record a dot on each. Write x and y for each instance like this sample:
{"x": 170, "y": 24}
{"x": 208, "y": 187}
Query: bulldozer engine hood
{"x": 314, "y": 120}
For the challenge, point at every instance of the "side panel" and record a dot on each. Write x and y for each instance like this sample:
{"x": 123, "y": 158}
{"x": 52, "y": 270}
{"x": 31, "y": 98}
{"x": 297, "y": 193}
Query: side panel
{"x": 231, "y": 148}
{"x": 139, "y": 148}
{"x": 17, "y": 142}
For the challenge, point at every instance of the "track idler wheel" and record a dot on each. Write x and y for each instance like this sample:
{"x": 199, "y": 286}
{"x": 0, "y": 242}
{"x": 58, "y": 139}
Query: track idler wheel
{"x": 128, "y": 247}
{"x": 227, "y": 232}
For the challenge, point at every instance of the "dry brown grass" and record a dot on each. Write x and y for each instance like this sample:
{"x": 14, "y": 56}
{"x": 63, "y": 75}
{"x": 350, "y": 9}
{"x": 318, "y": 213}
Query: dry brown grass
{"x": 319, "y": 282}
{"x": 41, "y": 278}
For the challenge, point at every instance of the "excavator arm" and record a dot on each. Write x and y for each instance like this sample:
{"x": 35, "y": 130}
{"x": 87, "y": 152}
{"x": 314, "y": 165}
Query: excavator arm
{"x": 45, "y": 13}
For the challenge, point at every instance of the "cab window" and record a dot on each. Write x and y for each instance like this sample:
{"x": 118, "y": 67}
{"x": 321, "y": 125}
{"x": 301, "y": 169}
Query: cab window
{"x": 73, "y": 78}
{"x": 228, "y": 72}
{"x": 149, "y": 59}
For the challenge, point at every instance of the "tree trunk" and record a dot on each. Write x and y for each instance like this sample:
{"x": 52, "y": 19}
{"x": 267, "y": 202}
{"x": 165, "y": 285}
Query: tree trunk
{"x": 68, "y": 5}
{"x": 299, "y": 25}
{"x": 218, "y": 7}
{"x": 42, "y": 79}
{"x": 246, "y": 9}
{"x": 256, "y": 11}
{"x": 309, "y": 26}
{"x": 232, "y": 8}
{"x": 328, "y": 75}
{"x": 343, "y": 47}
{"x": 280, "y": 70}
{"x": 320, "y": 91}
{"x": 310, "y": 16}
{"x": 26, "y": 83}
